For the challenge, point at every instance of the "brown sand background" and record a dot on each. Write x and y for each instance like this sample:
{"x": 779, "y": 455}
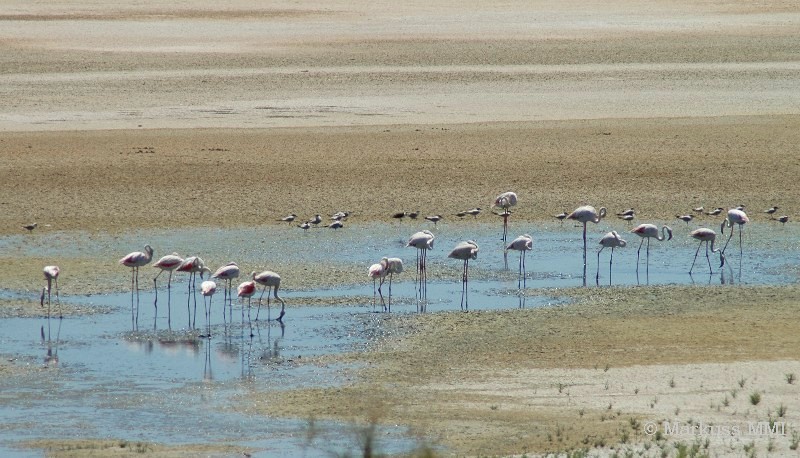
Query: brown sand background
{"x": 118, "y": 116}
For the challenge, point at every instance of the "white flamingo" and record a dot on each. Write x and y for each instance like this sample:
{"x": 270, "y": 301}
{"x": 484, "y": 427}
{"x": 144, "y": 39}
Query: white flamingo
{"x": 227, "y": 273}
{"x": 207, "y": 289}
{"x": 465, "y": 251}
{"x": 706, "y": 235}
{"x": 51, "y": 275}
{"x": 505, "y": 201}
{"x": 738, "y": 217}
{"x": 392, "y": 266}
{"x": 650, "y": 231}
{"x": 271, "y": 280}
{"x": 134, "y": 261}
{"x": 422, "y": 241}
{"x": 523, "y": 244}
{"x": 610, "y": 240}
{"x": 586, "y": 214}
{"x": 169, "y": 263}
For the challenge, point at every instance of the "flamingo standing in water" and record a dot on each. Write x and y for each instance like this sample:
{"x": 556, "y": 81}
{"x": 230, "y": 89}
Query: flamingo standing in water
{"x": 706, "y": 235}
{"x": 51, "y": 275}
{"x": 583, "y": 215}
{"x": 505, "y": 201}
{"x": 465, "y": 251}
{"x": 169, "y": 263}
{"x": 650, "y": 231}
{"x": 227, "y": 273}
{"x": 523, "y": 244}
{"x": 207, "y": 289}
{"x": 134, "y": 261}
{"x": 392, "y": 266}
{"x": 422, "y": 241}
{"x": 735, "y": 216}
{"x": 610, "y": 240}
{"x": 377, "y": 271}
{"x": 269, "y": 279}
{"x": 246, "y": 289}
{"x": 193, "y": 265}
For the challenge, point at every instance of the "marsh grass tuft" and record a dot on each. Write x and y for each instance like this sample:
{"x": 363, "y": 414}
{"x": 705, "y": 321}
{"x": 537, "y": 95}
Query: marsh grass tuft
{"x": 755, "y": 398}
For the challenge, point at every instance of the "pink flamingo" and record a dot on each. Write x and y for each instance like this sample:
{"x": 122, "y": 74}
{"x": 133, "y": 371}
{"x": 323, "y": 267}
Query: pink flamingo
{"x": 134, "y": 261}
{"x": 377, "y": 271}
{"x": 192, "y": 265}
{"x": 227, "y": 273}
{"x": 247, "y": 289}
{"x": 523, "y": 244}
{"x": 169, "y": 263}
{"x": 465, "y": 251}
{"x": 422, "y": 241}
{"x": 207, "y": 289}
{"x": 392, "y": 266}
{"x": 583, "y": 215}
{"x": 650, "y": 231}
{"x": 706, "y": 235}
{"x": 51, "y": 275}
{"x": 269, "y": 279}
{"x": 734, "y": 217}
{"x": 505, "y": 201}
{"x": 610, "y": 240}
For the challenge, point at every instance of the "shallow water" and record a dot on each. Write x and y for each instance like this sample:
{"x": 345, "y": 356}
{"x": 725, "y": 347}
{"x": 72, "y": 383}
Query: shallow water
{"x": 104, "y": 376}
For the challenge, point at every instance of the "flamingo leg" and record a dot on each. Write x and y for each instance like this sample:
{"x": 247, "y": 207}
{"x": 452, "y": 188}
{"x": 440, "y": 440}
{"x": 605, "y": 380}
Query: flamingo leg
{"x": 637, "y": 255}
{"x": 710, "y": 270}
{"x": 390, "y": 292}
{"x": 524, "y": 269}
{"x": 258, "y": 310}
{"x": 466, "y": 284}
{"x": 597, "y": 276}
{"x": 647, "y": 265}
{"x": 169, "y": 301}
{"x": 610, "y": 261}
{"x": 137, "y": 296}
{"x": 380, "y": 285}
{"x": 189, "y": 298}
{"x": 696, "y": 253}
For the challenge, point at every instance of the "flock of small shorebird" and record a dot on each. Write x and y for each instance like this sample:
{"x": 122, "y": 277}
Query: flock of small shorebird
{"x": 422, "y": 241}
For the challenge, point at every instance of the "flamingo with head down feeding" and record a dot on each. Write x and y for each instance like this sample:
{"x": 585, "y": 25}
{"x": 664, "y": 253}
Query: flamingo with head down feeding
{"x": 735, "y": 216}
{"x": 271, "y": 280}
{"x": 523, "y": 244}
{"x": 134, "y": 261}
{"x": 465, "y": 251}
{"x": 610, "y": 240}
{"x": 586, "y": 214}
{"x": 706, "y": 235}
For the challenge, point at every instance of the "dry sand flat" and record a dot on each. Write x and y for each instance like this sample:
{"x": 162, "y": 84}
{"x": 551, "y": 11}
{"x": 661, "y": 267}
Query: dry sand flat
{"x": 119, "y": 116}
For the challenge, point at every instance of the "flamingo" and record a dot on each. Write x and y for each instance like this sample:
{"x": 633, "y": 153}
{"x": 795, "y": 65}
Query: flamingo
{"x": 649, "y": 231}
{"x": 51, "y": 275}
{"x": 192, "y": 265}
{"x": 685, "y": 218}
{"x": 523, "y": 244}
{"x": 269, "y": 279}
{"x": 227, "y": 273}
{"x": 706, "y": 235}
{"x": 392, "y": 266}
{"x": 505, "y": 201}
{"x": 735, "y": 216}
{"x": 377, "y": 271}
{"x": 169, "y": 263}
{"x": 422, "y": 241}
{"x": 246, "y": 289}
{"x": 610, "y": 240}
{"x": 584, "y": 215}
{"x": 134, "y": 261}
{"x": 207, "y": 289}
{"x": 465, "y": 251}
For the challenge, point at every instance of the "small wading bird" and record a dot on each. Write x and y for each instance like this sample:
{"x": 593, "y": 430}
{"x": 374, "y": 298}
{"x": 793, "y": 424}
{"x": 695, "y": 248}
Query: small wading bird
{"x": 422, "y": 241}
{"x": 336, "y": 225}
{"x": 134, "y": 261}
{"x": 191, "y": 265}
{"x": 413, "y": 215}
{"x": 783, "y": 219}
{"x": 523, "y": 244}
{"x": 474, "y": 212}
{"x": 461, "y": 214}
{"x": 51, "y": 275}
{"x": 392, "y": 266}
{"x": 465, "y": 251}
{"x": 434, "y": 219}
{"x": 207, "y": 289}
{"x": 271, "y": 280}
{"x": 610, "y": 240}
{"x": 316, "y": 220}
{"x": 706, "y": 235}
{"x": 698, "y": 209}
{"x": 561, "y": 217}
{"x": 628, "y": 212}
{"x": 715, "y": 211}
{"x": 505, "y": 201}
{"x": 626, "y": 218}
{"x": 338, "y": 216}
{"x": 771, "y": 211}
{"x": 30, "y": 227}
{"x": 734, "y": 217}
{"x": 399, "y": 216}
{"x": 583, "y": 215}
{"x": 169, "y": 263}
{"x": 377, "y": 272}
{"x": 287, "y": 219}
{"x": 685, "y": 218}
{"x": 305, "y": 226}
{"x": 650, "y": 231}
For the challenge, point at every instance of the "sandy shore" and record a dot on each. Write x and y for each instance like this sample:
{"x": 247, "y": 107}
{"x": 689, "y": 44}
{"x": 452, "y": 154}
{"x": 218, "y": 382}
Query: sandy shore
{"x": 121, "y": 117}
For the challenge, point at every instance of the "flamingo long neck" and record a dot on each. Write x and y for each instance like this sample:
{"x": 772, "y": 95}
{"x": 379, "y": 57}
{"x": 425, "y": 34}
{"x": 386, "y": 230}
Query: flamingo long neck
{"x": 601, "y": 215}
